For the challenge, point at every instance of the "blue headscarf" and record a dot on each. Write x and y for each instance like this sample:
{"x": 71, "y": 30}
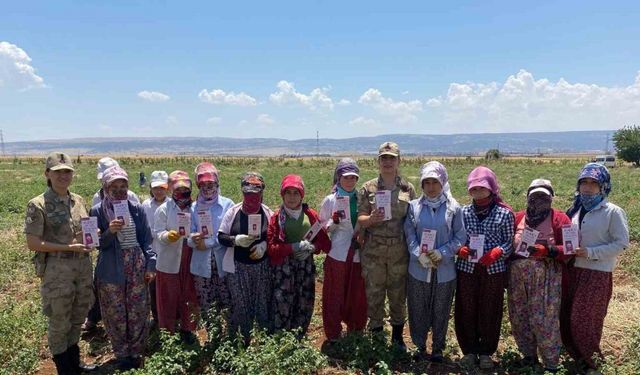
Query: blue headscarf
{"x": 599, "y": 173}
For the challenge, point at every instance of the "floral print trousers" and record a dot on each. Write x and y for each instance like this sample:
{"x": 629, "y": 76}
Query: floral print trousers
{"x": 535, "y": 288}
{"x": 125, "y": 308}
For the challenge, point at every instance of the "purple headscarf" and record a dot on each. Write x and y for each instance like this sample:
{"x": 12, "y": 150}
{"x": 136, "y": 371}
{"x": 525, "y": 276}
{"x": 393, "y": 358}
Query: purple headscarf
{"x": 346, "y": 166}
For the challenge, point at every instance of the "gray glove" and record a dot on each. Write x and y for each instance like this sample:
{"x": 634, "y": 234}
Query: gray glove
{"x": 303, "y": 250}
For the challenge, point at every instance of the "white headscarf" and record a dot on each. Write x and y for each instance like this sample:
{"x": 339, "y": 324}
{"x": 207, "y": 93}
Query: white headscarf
{"x": 434, "y": 169}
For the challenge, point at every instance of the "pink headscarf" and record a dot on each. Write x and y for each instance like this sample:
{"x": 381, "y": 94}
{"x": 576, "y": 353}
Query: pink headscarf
{"x": 484, "y": 177}
{"x": 108, "y": 176}
{"x": 206, "y": 172}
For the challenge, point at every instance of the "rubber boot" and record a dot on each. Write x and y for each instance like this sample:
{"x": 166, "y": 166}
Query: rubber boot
{"x": 73, "y": 352}
{"x": 62, "y": 364}
{"x": 396, "y": 335}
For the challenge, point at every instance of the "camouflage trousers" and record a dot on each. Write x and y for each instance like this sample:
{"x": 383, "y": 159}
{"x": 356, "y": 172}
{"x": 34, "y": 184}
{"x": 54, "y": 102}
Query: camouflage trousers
{"x": 384, "y": 268}
{"x": 67, "y": 296}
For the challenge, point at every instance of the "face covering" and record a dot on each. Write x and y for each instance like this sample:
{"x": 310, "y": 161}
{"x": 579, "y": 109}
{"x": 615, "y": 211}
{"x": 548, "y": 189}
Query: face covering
{"x": 589, "y": 201}
{"x": 183, "y": 199}
{"x": 118, "y": 194}
{"x": 538, "y": 208}
{"x": 251, "y": 203}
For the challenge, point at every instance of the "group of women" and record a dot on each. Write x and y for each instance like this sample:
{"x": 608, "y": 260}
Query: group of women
{"x": 384, "y": 240}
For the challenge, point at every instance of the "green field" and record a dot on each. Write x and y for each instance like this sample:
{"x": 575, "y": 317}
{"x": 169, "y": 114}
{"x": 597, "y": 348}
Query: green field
{"x": 22, "y": 326}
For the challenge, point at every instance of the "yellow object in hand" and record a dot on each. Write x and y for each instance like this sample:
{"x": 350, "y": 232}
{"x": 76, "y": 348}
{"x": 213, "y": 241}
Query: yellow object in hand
{"x": 173, "y": 236}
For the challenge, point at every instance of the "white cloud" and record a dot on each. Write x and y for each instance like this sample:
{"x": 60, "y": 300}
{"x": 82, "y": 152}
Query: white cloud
{"x": 218, "y": 96}
{"x": 344, "y": 102}
{"x": 105, "y": 128}
{"x": 434, "y": 102}
{"x": 402, "y": 111}
{"x": 265, "y": 119}
{"x": 214, "y": 120}
{"x": 153, "y": 96}
{"x": 315, "y": 101}
{"x": 16, "y": 71}
{"x": 523, "y": 103}
{"x": 363, "y": 122}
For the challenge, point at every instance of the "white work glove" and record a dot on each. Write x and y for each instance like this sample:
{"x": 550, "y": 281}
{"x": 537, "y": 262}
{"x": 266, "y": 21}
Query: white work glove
{"x": 424, "y": 260}
{"x": 435, "y": 256}
{"x": 257, "y": 252}
{"x": 243, "y": 240}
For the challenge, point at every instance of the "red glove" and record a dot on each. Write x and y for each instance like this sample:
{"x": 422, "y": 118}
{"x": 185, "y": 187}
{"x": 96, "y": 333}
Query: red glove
{"x": 538, "y": 250}
{"x": 463, "y": 252}
{"x": 336, "y": 217}
{"x": 490, "y": 257}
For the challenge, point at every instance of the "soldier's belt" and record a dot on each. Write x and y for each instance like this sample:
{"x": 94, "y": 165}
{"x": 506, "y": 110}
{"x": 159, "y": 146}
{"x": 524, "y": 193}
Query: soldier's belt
{"x": 69, "y": 254}
{"x": 387, "y": 240}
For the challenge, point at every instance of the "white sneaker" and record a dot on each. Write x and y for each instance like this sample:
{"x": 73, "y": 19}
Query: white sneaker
{"x": 468, "y": 361}
{"x": 486, "y": 363}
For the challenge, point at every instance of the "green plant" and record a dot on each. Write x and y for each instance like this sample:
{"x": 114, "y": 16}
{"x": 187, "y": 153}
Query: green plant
{"x": 627, "y": 142}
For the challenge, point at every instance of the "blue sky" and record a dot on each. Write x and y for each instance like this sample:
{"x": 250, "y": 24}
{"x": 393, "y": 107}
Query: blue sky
{"x": 289, "y": 69}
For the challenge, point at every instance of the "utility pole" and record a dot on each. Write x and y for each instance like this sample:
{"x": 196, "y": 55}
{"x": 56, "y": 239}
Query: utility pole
{"x": 2, "y": 142}
{"x": 317, "y": 143}
{"x": 606, "y": 149}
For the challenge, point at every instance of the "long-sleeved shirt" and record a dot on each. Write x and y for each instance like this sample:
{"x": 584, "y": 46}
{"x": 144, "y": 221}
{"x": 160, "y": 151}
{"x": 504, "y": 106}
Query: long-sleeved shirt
{"x": 604, "y": 232}
{"x": 236, "y": 222}
{"x": 201, "y": 259}
{"x": 498, "y": 230}
{"x": 450, "y": 235}
{"x": 169, "y": 253}
{"x": 341, "y": 234}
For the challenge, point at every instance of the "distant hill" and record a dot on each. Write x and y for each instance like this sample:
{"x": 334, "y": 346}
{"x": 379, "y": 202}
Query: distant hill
{"x": 410, "y": 144}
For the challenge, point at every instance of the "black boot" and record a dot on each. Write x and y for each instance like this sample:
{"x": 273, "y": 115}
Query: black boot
{"x": 396, "y": 335}
{"x": 62, "y": 364}
{"x": 73, "y": 352}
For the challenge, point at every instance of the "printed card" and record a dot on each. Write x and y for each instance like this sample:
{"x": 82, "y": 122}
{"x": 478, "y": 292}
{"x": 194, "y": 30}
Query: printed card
{"x": 428, "y": 240}
{"x": 184, "y": 223}
{"x": 313, "y": 231}
{"x": 343, "y": 208}
{"x": 570, "y": 238}
{"x": 383, "y": 203}
{"x": 90, "y": 236}
{"x": 529, "y": 238}
{"x": 255, "y": 225}
{"x": 206, "y": 224}
{"x": 121, "y": 211}
{"x": 476, "y": 247}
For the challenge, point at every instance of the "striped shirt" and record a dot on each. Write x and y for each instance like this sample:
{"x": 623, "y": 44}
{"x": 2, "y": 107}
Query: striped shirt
{"x": 498, "y": 229}
{"x": 127, "y": 236}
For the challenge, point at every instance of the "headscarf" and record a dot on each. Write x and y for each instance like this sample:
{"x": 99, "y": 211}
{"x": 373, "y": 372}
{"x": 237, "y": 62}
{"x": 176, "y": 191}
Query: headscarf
{"x": 599, "y": 173}
{"x": 207, "y": 172}
{"x": 538, "y": 205}
{"x": 290, "y": 181}
{"x": 345, "y": 167}
{"x": 110, "y": 175}
{"x": 252, "y": 186}
{"x": 178, "y": 179}
{"x": 484, "y": 177}
{"x": 434, "y": 169}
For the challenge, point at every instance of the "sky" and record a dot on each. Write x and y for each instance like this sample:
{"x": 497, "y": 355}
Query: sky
{"x": 289, "y": 69}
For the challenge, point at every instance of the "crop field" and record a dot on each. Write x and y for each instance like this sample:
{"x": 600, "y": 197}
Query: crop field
{"x": 23, "y": 348}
